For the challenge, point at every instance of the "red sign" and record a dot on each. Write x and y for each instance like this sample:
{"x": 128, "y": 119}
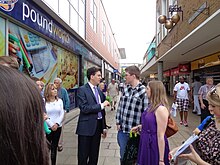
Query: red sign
{"x": 166, "y": 73}
{"x": 174, "y": 72}
{"x": 184, "y": 68}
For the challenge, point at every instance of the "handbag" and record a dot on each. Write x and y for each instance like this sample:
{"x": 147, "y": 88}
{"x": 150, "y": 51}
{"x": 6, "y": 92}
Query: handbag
{"x": 171, "y": 127}
{"x": 131, "y": 151}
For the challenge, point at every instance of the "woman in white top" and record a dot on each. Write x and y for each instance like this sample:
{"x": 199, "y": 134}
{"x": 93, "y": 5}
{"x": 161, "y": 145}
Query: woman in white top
{"x": 55, "y": 112}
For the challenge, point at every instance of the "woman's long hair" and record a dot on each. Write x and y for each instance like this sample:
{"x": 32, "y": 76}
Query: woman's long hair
{"x": 158, "y": 95}
{"x": 22, "y": 138}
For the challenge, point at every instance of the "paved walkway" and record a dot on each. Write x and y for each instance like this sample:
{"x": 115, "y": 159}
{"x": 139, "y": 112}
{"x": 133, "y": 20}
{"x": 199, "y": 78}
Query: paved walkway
{"x": 109, "y": 150}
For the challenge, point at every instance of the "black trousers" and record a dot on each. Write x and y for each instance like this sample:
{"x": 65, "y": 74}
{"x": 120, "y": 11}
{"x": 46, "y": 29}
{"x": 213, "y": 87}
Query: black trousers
{"x": 53, "y": 138}
{"x": 88, "y": 147}
{"x": 205, "y": 112}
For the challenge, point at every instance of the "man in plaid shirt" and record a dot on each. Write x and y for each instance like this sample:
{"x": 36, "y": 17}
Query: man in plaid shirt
{"x": 131, "y": 105}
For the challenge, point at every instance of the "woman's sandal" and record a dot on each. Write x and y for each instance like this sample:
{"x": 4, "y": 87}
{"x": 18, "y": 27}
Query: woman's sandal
{"x": 60, "y": 148}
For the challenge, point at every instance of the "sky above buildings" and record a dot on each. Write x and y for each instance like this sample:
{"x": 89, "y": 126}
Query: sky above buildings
{"x": 133, "y": 23}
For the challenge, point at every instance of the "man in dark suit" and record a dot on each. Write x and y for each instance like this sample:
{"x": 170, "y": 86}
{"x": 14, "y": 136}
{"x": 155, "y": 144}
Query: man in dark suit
{"x": 91, "y": 122}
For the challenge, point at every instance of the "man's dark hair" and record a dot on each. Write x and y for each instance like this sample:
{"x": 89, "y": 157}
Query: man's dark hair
{"x": 92, "y": 71}
{"x": 133, "y": 70}
{"x": 197, "y": 78}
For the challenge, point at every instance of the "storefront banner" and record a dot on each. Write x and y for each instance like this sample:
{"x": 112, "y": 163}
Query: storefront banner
{"x": 208, "y": 61}
{"x": 90, "y": 56}
{"x": 28, "y": 13}
{"x": 166, "y": 73}
{"x": 174, "y": 72}
{"x": 184, "y": 68}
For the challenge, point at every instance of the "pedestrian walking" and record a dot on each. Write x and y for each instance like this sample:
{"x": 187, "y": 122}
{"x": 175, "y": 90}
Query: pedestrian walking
{"x": 202, "y": 97}
{"x": 181, "y": 97}
{"x": 195, "y": 93}
{"x": 113, "y": 92}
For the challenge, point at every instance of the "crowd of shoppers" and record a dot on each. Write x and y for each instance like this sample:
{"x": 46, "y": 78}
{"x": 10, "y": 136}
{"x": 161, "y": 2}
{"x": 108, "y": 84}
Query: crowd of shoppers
{"x": 207, "y": 149}
{"x": 133, "y": 114}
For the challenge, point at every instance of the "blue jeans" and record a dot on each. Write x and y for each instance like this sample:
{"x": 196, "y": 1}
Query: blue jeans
{"x": 122, "y": 142}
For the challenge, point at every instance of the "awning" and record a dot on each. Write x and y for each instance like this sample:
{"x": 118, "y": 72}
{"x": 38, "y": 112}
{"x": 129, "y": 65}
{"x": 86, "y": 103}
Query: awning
{"x": 202, "y": 41}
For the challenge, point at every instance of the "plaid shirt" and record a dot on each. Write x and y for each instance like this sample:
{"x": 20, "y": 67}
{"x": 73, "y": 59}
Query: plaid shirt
{"x": 131, "y": 105}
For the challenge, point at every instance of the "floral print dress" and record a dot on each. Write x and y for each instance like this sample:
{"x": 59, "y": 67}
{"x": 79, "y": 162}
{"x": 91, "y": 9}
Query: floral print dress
{"x": 208, "y": 144}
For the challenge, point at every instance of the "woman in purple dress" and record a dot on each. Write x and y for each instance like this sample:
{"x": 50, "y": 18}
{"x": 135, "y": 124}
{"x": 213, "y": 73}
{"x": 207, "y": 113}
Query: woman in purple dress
{"x": 153, "y": 147}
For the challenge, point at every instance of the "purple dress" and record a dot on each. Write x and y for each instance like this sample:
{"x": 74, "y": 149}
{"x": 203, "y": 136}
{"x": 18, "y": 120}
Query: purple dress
{"x": 148, "y": 153}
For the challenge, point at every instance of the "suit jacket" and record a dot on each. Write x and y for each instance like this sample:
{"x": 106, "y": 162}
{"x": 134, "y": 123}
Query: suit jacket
{"x": 89, "y": 108}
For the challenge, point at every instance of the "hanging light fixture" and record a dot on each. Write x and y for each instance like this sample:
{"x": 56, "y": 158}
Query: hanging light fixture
{"x": 169, "y": 22}
{"x": 162, "y": 19}
{"x": 175, "y": 18}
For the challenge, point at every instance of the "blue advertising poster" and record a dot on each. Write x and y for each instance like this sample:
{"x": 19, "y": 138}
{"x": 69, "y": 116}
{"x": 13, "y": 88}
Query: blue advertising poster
{"x": 29, "y": 13}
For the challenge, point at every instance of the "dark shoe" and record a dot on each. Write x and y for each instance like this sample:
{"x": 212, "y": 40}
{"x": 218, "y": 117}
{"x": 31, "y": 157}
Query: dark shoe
{"x": 60, "y": 148}
{"x": 112, "y": 109}
{"x": 194, "y": 112}
{"x": 108, "y": 127}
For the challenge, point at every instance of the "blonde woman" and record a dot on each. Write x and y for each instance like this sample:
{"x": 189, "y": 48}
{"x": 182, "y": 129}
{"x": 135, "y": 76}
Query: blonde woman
{"x": 55, "y": 112}
{"x": 154, "y": 148}
{"x": 209, "y": 138}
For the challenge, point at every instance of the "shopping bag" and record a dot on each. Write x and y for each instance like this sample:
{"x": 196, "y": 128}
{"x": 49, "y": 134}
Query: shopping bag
{"x": 173, "y": 109}
{"x": 172, "y": 127}
{"x": 131, "y": 151}
{"x": 109, "y": 99}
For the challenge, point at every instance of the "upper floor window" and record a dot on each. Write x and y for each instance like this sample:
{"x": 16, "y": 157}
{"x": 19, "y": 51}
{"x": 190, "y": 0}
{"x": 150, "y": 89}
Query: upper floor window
{"x": 93, "y": 15}
{"x": 53, "y": 5}
{"x": 64, "y": 10}
{"x": 109, "y": 43}
{"x": 103, "y": 33}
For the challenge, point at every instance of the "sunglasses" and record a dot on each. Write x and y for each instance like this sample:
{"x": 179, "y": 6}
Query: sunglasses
{"x": 213, "y": 91}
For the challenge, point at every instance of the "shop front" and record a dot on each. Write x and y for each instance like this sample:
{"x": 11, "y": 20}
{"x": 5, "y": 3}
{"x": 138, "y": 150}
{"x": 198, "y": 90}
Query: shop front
{"x": 208, "y": 66}
{"x": 90, "y": 60}
{"x": 44, "y": 47}
{"x": 181, "y": 70}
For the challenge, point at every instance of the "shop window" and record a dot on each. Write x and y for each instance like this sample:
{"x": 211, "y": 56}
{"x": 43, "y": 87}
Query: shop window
{"x": 93, "y": 15}
{"x": 81, "y": 27}
{"x": 42, "y": 59}
{"x": 2, "y": 37}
